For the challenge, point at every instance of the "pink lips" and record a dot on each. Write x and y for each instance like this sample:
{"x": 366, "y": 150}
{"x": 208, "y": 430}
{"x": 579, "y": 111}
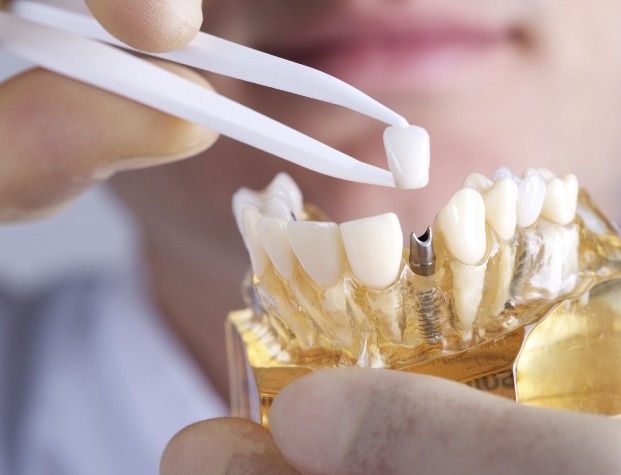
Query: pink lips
{"x": 417, "y": 53}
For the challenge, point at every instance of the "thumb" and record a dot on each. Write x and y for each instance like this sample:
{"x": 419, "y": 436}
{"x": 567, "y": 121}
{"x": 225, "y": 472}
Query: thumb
{"x": 59, "y": 137}
{"x": 150, "y": 25}
{"x": 357, "y": 421}
{"x": 226, "y": 446}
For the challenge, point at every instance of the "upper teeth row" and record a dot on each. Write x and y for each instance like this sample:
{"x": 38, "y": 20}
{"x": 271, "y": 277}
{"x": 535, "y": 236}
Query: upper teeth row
{"x": 373, "y": 246}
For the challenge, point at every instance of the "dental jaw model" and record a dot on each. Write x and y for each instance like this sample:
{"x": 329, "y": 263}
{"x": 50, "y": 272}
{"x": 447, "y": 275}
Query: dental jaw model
{"x": 514, "y": 290}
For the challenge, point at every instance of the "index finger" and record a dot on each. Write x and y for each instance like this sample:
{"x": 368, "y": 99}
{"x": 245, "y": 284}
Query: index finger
{"x": 150, "y": 25}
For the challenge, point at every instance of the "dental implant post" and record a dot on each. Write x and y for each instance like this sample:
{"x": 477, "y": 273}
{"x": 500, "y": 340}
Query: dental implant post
{"x": 422, "y": 262}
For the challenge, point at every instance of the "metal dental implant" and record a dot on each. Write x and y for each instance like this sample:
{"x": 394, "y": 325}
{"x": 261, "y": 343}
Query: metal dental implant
{"x": 428, "y": 305}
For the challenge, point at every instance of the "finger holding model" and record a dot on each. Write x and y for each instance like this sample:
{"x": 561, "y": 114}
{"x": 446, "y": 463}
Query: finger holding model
{"x": 365, "y": 421}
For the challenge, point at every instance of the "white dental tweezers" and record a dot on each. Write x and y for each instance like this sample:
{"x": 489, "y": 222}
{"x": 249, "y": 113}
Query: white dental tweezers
{"x": 71, "y": 42}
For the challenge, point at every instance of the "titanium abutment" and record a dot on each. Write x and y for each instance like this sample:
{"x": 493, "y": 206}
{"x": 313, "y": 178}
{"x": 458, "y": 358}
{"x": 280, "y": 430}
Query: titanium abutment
{"x": 422, "y": 256}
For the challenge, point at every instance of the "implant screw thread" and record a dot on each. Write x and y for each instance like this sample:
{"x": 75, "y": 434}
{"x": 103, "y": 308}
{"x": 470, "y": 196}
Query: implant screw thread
{"x": 429, "y": 316}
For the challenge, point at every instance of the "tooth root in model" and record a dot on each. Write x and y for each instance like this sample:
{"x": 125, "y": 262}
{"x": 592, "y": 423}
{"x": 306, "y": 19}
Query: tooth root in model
{"x": 461, "y": 222}
{"x": 374, "y": 248}
{"x": 504, "y": 263}
{"x": 468, "y": 283}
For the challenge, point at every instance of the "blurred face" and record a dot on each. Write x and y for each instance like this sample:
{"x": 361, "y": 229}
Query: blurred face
{"x": 496, "y": 82}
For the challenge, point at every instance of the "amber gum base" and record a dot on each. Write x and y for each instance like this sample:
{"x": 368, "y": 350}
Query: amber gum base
{"x": 570, "y": 359}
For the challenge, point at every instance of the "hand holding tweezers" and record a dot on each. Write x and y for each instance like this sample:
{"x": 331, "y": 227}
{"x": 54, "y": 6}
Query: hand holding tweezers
{"x": 72, "y": 43}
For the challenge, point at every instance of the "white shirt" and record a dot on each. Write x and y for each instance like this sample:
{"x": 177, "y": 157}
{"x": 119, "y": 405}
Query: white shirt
{"x": 91, "y": 381}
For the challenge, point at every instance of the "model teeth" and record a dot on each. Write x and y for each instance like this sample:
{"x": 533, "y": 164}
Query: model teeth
{"x": 319, "y": 248}
{"x": 284, "y": 186}
{"x": 273, "y": 236}
{"x": 504, "y": 172}
{"x": 242, "y": 199}
{"x": 278, "y": 206}
{"x": 281, "y": 199}
{"x": 546, "y": 174}
{"x": 500, "y": 207}
{"x": 344, "y": 293}
{"x": 262, "y": 220}
{"x": 462, "y": 224}
{"x": 561, "y": 199}
{"x": 408, "y": 153}
{"x": 258, "y": 256}
{"x": 374, "y": 248}
{"x": 531, "y": 194}
{"x": 478, "y": 182}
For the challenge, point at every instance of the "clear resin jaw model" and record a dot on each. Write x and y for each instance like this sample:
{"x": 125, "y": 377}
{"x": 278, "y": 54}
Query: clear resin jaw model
{"x": 515, "y": 289}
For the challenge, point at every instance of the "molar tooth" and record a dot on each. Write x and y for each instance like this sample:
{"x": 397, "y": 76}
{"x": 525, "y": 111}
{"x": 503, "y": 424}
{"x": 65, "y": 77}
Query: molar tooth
{"x": 374, "y": 247}
{"x": 258, "y": 257}
{"x": 272, "y": 233}
{"x": 478, "y": 182}
{"x": 407, "y": 149}
{"x": 559, "y": 205}
{"x": 531, "y": 194}
{"x": 462, "y": 223}
{"x": 319, "y": 248}
{"x": 500, "y": 207}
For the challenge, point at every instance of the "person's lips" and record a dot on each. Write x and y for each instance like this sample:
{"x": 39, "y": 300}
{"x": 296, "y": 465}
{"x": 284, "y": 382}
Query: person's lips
{"x": 416, "y": 52}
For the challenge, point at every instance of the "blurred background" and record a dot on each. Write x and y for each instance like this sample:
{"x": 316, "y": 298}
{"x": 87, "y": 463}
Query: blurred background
{"x": 92, "y": 232}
